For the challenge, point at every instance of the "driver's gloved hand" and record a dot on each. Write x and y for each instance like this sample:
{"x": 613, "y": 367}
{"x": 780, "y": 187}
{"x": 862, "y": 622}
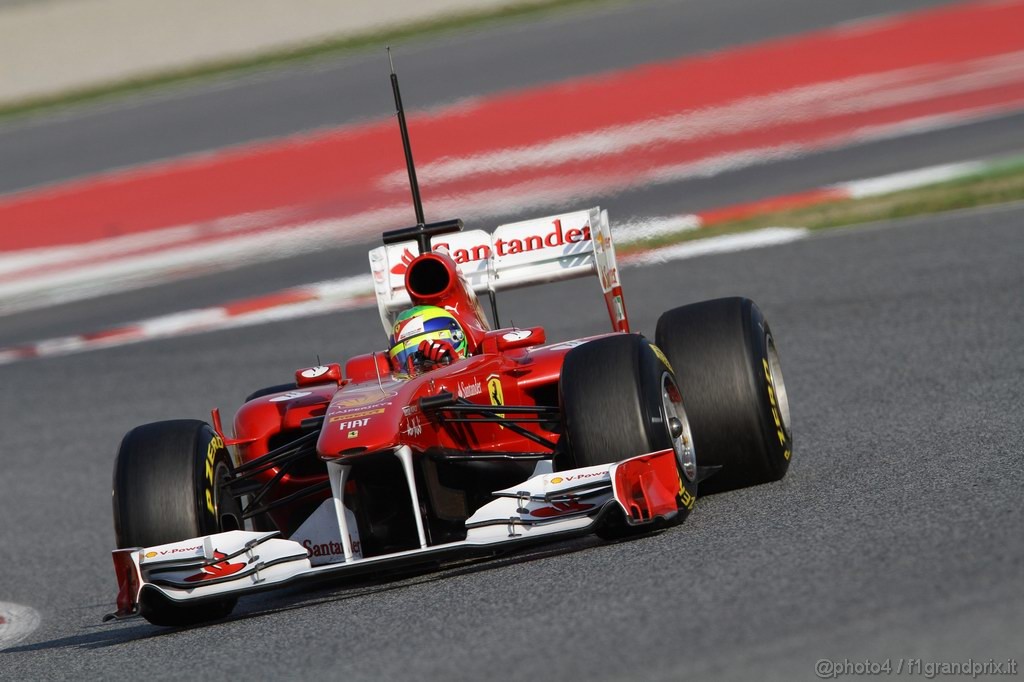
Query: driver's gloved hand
{"x": 438, "y": 352}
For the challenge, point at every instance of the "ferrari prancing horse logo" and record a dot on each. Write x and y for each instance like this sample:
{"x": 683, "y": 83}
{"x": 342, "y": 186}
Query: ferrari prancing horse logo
{"x": 494, "y": 389}
{"x": 495, "y": 392}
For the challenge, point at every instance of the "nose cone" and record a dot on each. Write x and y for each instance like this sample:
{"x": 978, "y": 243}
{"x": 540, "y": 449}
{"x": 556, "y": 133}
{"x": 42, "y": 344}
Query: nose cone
{"x": 362, "y": 418}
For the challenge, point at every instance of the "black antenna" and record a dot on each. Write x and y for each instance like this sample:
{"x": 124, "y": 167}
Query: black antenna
{"x": 410, "y": 166}
{"x": 422, "y": 231}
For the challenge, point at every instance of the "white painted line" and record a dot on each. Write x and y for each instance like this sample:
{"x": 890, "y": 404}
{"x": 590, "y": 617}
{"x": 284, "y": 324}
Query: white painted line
{"x": 16, "y": 623}
{"x": 637, "y": 230}
{"x": 92, "y": 279}
{"x": 293, "y": 311}
{"x": 769, "y": 236}
{"x": 858, "y": 189}
{"x": 313, "y": 299}
{"x": 330, "y": 296}
{"x": 169, "y": 325}
{"x": 356, "y": 285}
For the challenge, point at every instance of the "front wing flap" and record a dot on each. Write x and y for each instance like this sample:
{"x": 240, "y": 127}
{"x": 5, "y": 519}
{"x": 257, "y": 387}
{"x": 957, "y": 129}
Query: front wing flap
{"x": 559, "y": 503}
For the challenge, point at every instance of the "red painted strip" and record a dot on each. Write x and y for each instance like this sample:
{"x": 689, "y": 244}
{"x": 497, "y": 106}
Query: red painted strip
{"x": 799, "y": 200}
{"x": 266, "y": 302}
{"x": 339, "y": 173}
{"x": 109, "y": 334}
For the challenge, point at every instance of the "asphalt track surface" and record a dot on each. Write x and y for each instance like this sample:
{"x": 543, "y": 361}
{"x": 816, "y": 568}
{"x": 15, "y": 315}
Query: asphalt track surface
{"x": 896, "y": 533}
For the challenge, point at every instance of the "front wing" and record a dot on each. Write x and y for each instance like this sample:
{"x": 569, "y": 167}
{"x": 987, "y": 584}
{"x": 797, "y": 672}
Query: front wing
{"x": 563, "y": 503}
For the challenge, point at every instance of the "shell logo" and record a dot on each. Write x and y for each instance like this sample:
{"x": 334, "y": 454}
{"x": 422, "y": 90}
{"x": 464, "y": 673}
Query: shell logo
{"x": 557, "y": 479}
{"x": 150, "y": 555}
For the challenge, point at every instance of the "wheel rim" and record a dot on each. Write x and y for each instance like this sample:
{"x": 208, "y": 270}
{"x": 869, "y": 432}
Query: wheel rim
{"x": 672, "y": 404}
{"x": 229, "y": 512}
{"x": 781, "y": 397}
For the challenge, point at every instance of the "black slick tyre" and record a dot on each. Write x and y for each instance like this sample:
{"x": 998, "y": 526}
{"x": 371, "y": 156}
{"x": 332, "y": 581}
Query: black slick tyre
{"x": 167, "y": 480}
{"x": 725, "y": 361}
{"x": 617, "y": 397}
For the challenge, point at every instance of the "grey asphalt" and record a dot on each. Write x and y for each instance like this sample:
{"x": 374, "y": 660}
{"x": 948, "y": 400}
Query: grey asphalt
{"x": 896, "y": 533}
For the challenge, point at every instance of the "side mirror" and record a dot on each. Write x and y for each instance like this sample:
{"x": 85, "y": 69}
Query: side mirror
{"x": 510, "y": 339}
{"x": 322, "y": 374}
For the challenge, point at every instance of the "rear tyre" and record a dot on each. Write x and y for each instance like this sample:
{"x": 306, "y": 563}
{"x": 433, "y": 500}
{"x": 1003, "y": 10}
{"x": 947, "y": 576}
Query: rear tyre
{"x": 167, "y": 480}
{"x": 727, "y": 366}
{"x": 617, "y": 398}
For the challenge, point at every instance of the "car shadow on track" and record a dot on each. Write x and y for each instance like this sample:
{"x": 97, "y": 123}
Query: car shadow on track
{"x": 326, "y": 591}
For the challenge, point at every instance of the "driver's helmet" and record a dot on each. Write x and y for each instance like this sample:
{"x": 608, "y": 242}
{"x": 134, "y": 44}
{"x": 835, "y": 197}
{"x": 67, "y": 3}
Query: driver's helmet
{"x": 423, "y": 323}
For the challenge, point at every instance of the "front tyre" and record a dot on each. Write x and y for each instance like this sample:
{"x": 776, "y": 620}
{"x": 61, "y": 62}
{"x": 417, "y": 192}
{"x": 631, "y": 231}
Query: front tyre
{"x": 167, "y": 487}
{"x": 619, "y": 399}
{"x": 727, "y": 366}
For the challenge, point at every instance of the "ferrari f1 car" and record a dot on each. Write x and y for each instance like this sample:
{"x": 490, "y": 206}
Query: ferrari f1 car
{"x": 382, "y": 464}
{"x": 356, "y": 468}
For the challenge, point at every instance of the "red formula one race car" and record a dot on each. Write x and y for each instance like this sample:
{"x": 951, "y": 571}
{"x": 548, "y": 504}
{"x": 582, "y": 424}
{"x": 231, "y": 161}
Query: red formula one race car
{"x": 461, "y": 439}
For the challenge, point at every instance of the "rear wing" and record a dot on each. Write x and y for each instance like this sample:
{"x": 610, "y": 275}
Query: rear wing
{"x": 550, "y": 249}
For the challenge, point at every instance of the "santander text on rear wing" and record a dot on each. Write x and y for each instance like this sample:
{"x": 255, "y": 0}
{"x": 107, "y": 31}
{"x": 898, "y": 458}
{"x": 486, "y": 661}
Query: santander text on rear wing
{"x": 520, "y": 254}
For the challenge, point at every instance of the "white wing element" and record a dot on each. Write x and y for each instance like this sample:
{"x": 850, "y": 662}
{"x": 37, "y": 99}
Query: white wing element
{"x": 554, "y": 248}
{"x": 547, "y": 504}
